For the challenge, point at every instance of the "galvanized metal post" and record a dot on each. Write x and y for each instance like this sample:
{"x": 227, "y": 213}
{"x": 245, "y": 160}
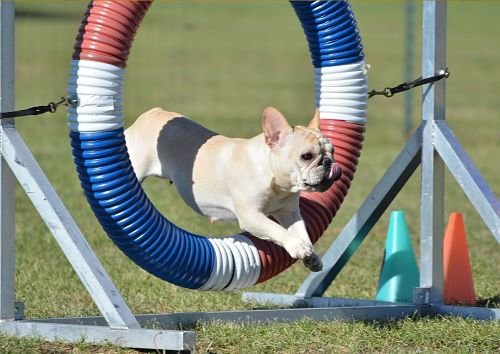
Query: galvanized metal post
{"x": 432, "y": 185}
{"x": 7, "y": 245}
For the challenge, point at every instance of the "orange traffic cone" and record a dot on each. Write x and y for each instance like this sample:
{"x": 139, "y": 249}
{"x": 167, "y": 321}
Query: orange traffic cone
{"x": 458, "y": 285}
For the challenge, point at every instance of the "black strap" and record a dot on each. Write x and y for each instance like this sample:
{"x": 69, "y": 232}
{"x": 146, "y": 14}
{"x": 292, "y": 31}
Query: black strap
{"x": 391, "y": 91}
{"x": 34, "y": 111}
{"x": 387, "y": 92}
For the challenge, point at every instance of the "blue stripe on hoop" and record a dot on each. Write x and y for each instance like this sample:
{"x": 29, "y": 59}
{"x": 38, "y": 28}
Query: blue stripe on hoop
{"x": 130, "y": 219}
{"x": 331, "y": 32}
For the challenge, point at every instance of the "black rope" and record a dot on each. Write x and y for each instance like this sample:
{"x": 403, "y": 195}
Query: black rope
{"x": 391, "y": 91}
{"x": 36, "y": 110}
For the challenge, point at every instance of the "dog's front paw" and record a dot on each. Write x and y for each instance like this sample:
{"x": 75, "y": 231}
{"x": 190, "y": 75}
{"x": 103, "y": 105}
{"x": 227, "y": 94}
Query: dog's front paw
{"x": 313, "y": 263}
{"x": 298, "y": 248}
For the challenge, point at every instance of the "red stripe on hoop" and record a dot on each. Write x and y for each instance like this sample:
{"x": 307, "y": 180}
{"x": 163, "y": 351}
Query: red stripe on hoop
{"x": 108, "y": 29}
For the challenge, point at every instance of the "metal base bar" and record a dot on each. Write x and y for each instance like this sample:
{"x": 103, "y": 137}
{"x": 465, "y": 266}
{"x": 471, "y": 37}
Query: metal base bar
{"x": 169, "y": 337}
{"x": 477, "y": 313}
{"x": 94, "y": 334}
{"x": 312, "y": 302}
{"x": 94, "y": 330}
{"x": 189, "y": 320}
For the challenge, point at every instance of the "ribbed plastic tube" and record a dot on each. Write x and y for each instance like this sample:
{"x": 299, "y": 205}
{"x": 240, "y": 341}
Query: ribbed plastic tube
{"x": 341, "y": 97}
{"x": 116, "y": 197}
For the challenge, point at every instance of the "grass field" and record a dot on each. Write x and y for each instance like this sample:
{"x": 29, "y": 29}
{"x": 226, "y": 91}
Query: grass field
{"x": 221, "y": 63}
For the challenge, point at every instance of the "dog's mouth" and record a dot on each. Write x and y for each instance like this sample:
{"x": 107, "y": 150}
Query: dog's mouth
{"x": 335, "y": 172}
{"x": 331, "y": 172}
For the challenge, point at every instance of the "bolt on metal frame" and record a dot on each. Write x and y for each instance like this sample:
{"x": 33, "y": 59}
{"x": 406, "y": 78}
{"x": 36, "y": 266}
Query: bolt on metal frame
{"x": 433, "y": 145}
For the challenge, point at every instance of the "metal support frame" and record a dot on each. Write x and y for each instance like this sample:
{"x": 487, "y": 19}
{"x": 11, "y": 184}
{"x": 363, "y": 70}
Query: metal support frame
{"x": 433, "y": 145}
{"x": 7, "y": 244}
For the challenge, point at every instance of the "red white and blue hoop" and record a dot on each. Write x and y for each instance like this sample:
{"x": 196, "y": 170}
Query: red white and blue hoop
{"x": 116, "y": 197}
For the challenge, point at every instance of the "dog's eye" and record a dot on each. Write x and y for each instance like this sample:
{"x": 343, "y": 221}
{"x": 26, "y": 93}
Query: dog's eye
{"x": 307, "y": 156}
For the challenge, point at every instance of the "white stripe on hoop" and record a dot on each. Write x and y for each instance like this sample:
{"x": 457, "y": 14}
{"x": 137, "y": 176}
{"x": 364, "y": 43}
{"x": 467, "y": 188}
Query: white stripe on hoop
{"x": 342, "y": 92}
{"x": 223, "y": 267}
{"x": 97, "y": 89}
{"x": 237, "y": 264}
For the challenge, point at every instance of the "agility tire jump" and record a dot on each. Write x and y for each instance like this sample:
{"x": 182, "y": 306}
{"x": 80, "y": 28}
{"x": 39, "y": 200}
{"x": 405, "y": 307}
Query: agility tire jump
{"x": 113, "y": 191}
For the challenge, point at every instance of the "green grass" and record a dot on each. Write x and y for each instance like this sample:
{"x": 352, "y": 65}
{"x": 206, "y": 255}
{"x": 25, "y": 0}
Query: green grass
{"x": 221, "y": 63}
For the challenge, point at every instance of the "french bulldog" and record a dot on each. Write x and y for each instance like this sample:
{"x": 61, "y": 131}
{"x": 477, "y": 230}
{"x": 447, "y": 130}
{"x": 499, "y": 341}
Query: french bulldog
{"x": 255, "y": 181}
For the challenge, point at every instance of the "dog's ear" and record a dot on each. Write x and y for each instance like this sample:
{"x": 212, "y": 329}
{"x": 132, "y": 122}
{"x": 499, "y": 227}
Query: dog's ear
{"x": 275, "y": 126}
{"x": 314, "y": 123}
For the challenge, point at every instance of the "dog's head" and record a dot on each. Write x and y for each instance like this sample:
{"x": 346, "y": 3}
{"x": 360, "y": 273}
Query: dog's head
{"x": 301, "y": 157}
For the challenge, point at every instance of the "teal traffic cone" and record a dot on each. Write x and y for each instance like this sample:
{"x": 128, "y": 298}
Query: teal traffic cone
{"x": 399, "y": 274}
